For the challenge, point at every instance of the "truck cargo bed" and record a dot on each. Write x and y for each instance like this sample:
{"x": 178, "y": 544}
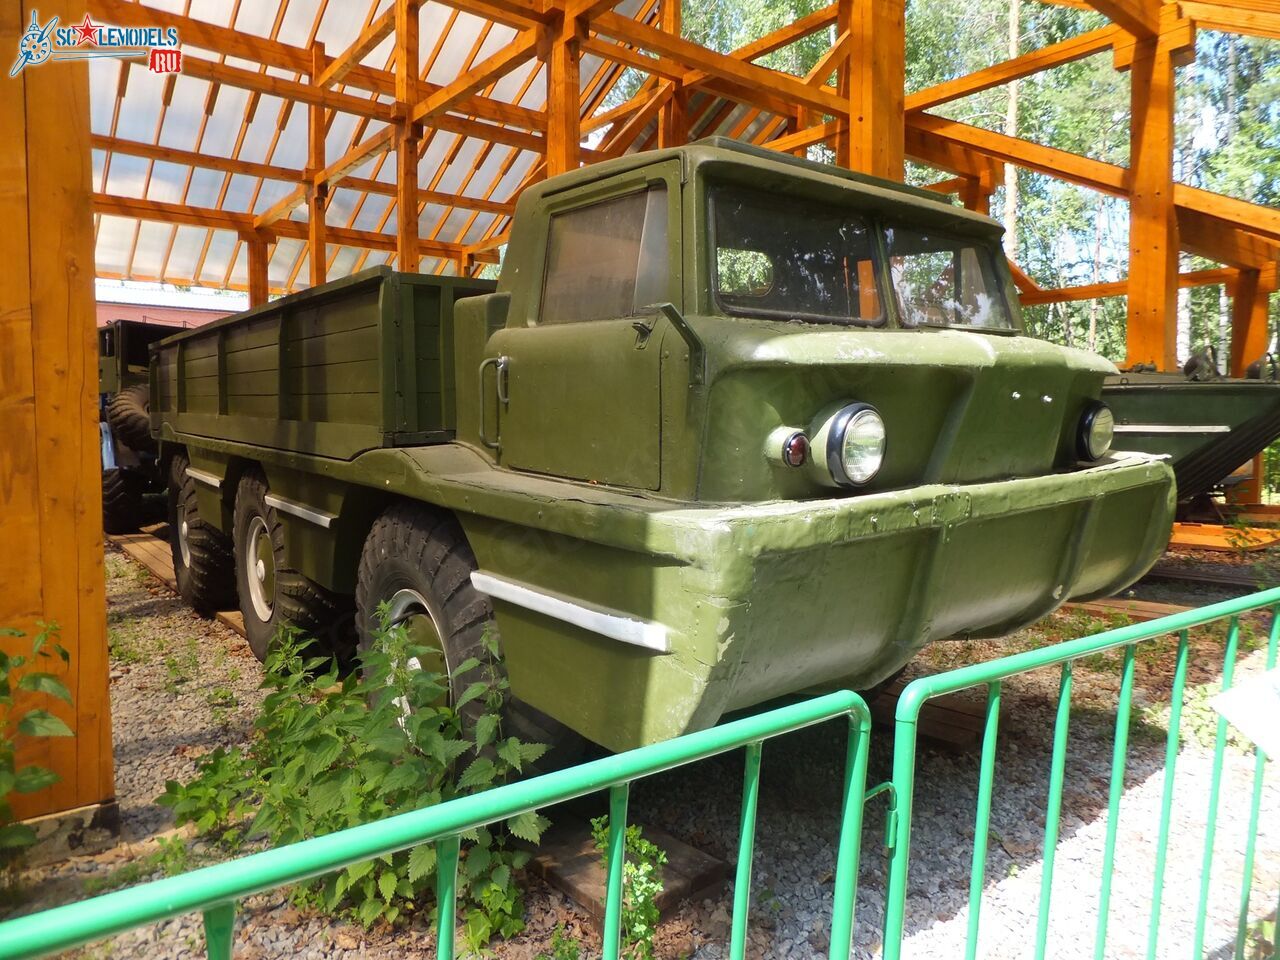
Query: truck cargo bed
{"x": 361, "y": 363}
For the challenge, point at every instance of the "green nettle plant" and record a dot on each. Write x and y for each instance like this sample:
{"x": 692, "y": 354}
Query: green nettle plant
{"x": 331, "y": 752}
{"x": 641, "y": 886}
{"x": 20, "y": 674}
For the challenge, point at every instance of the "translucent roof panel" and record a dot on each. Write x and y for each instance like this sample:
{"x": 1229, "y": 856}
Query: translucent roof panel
{"x": 184, "y": 141}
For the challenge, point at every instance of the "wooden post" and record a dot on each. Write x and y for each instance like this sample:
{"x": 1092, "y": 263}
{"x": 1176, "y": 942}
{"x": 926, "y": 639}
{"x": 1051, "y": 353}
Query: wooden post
{"x": 564, "y": 116}
{"x": 1250, "y": 338}
{"x": 258, "y": 289}
{"x": 1250, "y": 318}
{"x": 873, "y": 81}
{"x": 673, "y": 123}
{"x": 317, "y": 193}
{"x": 50, "y": 471}
{"x": 408, "y": 135}
{"x": 975, "y": 194}
{"x": 1152, "y": 329}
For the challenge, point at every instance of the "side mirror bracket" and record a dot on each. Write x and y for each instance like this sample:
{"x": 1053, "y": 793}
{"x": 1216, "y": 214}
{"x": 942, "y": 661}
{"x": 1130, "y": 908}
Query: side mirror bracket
{"x": 697, "y": 350}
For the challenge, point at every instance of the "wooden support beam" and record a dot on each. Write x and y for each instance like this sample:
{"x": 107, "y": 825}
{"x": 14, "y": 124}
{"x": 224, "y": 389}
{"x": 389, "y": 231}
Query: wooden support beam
{"x": 1234, "y": 18}
{"x": 256, "y": 251}
{"x": 372, "y": 35}
{"x": 944, "y": 143}
{"x": 1054, "y": 55}
{"x": 1152, "y": 328}
{"x": 407, "y": 135}
{"x": 317, "y": 190}
{"x": 874, "y": 87}
{"x": 1118, "y": 288}
{"x": 439, "y": 197}
{"x": 1252, "y": 217}
{"x": 564, "y": 112}
{"x": 522, "y": 49}
{"x": 1250, "y": 319}
{"x": 1221, "y": 240}
{"x": 50, "y": 468}
{"x": 188, "y": 158}
{"x": 673, "y": 120}
{"x": 283, "y": 56}
{"x": 807, "y": 137}
{"x": 755, "y": 80}
{"x": 1139, "y": 17}
{"x": 1021, "y": 279}
{"x": 514, "y": 13}
{"x": 242, "y": 224}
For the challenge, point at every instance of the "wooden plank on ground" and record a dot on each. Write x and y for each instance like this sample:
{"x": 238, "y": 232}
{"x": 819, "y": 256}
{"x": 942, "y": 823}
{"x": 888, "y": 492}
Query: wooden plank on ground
{"x": 568, "y": 860}
{"x": 150, "y": 547}
{"x": 1139, "y": 611}
{"x": 1225, "y": 539}
{"x": 952, "y": 721}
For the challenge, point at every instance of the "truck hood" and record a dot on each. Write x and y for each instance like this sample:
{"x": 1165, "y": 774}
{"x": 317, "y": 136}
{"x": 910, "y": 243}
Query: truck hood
{"x": 958, "y": 406}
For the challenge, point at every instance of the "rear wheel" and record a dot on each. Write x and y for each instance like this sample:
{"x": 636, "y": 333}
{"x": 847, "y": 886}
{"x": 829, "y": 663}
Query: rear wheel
{"x": 272, "y": 594}
{"x": 202, "y": 562}
{"x": 121, "y": 501}
{"x": 129, "y": 414}
{"x": 418, "y": 561}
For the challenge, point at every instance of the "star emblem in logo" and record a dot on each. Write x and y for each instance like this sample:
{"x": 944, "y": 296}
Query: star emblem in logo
{"x": 87, "y": 31}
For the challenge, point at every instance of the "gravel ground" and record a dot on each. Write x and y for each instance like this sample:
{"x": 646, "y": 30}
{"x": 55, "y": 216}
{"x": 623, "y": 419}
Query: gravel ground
{"x": 206, "y": 679}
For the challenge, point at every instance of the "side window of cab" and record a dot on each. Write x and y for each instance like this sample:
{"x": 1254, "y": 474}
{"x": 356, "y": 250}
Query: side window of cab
{"x": 606, "y": 260}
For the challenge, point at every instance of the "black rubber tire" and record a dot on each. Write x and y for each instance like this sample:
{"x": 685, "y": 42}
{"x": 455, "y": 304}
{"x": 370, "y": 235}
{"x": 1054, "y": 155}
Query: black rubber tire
{"x": 208, "y": 582}
{"x": 412, "y": 546}
{"x": 297, "y": 602}
{"x": 129, "y": 416}
{"x": 122, "y": 506}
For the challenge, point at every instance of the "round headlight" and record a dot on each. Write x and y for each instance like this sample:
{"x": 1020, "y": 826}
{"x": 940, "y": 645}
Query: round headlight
{"x": 855, "y": 445}
{"x": 1097, "y": 427}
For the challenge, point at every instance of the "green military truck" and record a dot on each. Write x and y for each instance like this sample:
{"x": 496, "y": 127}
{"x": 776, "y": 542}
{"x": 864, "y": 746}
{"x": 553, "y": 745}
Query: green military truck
{"x": 729, "y": 426}
{"x": 124, "y": 422}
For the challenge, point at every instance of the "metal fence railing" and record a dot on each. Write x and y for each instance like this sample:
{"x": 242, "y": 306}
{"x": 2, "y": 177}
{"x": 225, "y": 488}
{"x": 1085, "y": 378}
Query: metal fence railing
{"x": 1062, "y": 656}
{"x": 215, "y": 890}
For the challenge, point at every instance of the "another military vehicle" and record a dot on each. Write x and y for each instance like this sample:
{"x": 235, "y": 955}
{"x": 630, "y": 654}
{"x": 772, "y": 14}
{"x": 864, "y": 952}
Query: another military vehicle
{"x": 129, "y": 472}
{"x": 730, "y": 424}
{"x": 1208, "y": 425}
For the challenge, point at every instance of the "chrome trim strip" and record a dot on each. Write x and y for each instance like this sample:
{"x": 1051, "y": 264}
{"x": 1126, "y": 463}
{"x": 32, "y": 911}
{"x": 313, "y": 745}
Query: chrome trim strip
{"x": 1169, "y": 428}
{"x": 318, "y": 517}
{"x": 206, "y": 478}
{"x": 602, "y": 620}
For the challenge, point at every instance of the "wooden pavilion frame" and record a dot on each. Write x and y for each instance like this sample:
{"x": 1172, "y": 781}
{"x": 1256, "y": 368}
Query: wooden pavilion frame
{"x": 853, "y": 101}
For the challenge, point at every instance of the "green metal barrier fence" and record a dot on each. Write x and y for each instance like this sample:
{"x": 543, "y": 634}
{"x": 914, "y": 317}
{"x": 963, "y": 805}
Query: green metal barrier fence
{"x": 216, "y": 890}
{"x": 992, "y": 674}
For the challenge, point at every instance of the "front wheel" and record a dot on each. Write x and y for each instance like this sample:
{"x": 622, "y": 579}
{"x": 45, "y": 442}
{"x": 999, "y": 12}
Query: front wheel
{"x": 417, "y": 560}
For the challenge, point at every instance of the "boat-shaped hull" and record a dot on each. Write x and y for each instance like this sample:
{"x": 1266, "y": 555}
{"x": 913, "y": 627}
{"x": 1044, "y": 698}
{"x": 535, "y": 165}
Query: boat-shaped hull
{"x": 1208, "y": 429}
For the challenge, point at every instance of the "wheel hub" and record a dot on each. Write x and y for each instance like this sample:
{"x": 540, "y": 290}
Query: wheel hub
{"x": 184, "y": 543}
{"x": 409, "y": 609}
{"x": 261, "y": 562}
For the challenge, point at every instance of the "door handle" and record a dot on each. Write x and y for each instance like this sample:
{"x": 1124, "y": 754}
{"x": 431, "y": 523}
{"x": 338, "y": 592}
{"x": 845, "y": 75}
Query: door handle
{"x": 500, "y": 365}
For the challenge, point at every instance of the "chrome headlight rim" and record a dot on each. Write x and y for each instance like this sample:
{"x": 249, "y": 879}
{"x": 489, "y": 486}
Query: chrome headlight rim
{"x": 1086, "y": 448}
{"x": 840, "y": 423}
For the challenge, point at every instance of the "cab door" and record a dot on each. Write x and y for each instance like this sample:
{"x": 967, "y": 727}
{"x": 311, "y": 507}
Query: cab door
{"x": 579, "y": 374}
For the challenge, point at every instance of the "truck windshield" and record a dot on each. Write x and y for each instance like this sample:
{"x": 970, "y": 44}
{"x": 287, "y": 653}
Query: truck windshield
{"x": 792, "y": 259}
{"x": 945, "y": 280}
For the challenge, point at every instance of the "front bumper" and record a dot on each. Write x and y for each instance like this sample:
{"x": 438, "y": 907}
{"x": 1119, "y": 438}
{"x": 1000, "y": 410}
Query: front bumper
{"x": 762, "y": 600}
